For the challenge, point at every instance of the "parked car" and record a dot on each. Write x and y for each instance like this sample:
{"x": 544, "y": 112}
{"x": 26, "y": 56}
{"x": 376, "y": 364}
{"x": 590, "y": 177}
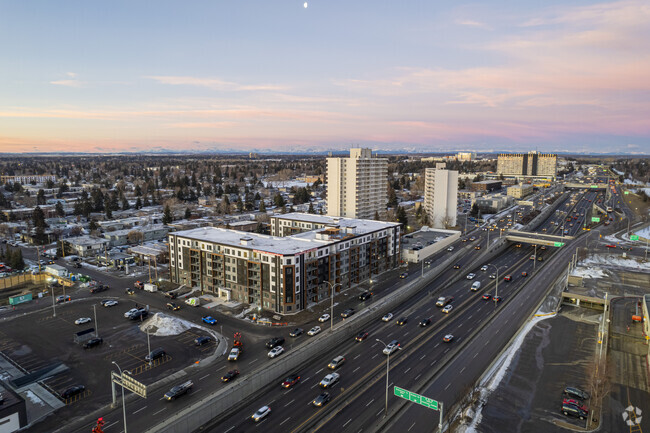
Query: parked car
{"x": 72, "y": 391}
{"x": 139, "y": 314}
{"x": 99, "y": 288}
{"x": 109, "y": 303}
{"x": 155, "y": 354}
{"x": 200, "y": 341}
{"x": 92, "y": 343}
{"x": 573, "y": 410}
{"x": 170, "y": 295}
{"x": 574, "y": 392}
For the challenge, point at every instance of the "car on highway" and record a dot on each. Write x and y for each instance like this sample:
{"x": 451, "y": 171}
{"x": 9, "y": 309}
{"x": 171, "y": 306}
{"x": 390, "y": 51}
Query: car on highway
{"x": 518, "y": 246}
{"x": 403, "y": 275}
{"x": 472, "y": 239}
{"x": 391, "y": 347}
{"x": 507, "y": 278}
{"x": 574, "y": 392}
{"x": 82, "y": 320}
{"x": 209, "y": 320}
{"x": 448, "y": 338}
{"x": 329, "y": 380}
{"x": 475, "y": 286}
{"x": 200, "y": 341}
{"x": 478, "y": 247}
{"x": 275, "y": 341}
{"x": 313, "y": 331}
{"x": 179, "y": 390}
{"x": 447, "y": 308}
{"x": 109, "y": 303}
{"x": 321, "y": 400}
{"x": 524, "y": 274}
{"x": 261, "y": 413}
{"x": 365, "y": 296}
{"x": 234, "y": 354}
{"x": 493, "y": 276}
{"x": 92, "y": 343}
{"x": 173, "y": 306}
{"x": 471, "y": 276}
{"x": 487, "y": 296}
{"x": 457, "y": 266}
{"x": 450, "y": 248}
{"x": 402, "y": 320}
{"x": 361, "y": 336}
{"x": 232, "y": 374}
{"x": 290, "y": 381}
{"x": 444, "y": 300}
{"x": 155, "y": 354}
{"x": 336, "y": 362}
{"x": 276, "y": 351}
{"x": 425, "y": 322}
{"x": 484, "y": 267}
{"x": 387, "y": 317}
{"x": 347, "y": 313}
{"x": 296, "y": 332}
{"x": 72, "y": 391}
{"x": 496, "y": 299}
{"x": 324, "y": 318}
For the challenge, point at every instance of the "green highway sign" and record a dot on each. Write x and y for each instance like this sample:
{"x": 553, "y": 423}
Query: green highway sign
{"x": 415, "y": 398}
{"x": 558, "y": 244}
{"x": 634, "y": 237}
{"x": 595, "y": 219}
{"x": 594, "y": 186}
{"x": 626, "y": 192}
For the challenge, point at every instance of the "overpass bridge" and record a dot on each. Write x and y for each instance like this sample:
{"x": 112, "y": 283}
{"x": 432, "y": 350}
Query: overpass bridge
{"x": 589, "y": 186}
{"x": 537, "y": 238}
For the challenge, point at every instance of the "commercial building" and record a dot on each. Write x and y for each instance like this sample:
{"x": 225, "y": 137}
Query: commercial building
{"x": 13, "y": 409}
{"x": 486, "y": 185}
{"x": 419, "y": 245}
{"x": 27, "y": 179}
{"x": 85, "y": 246}
{"x": 441, "y": 196}
{"x": 520, "y": 191}
{"x": 530, "y": 164}
{"x": 466, "y": 156}
{"x": 494, "y": 203}
{"x": 284, "y": 274}
{"x": 356, "y": 186}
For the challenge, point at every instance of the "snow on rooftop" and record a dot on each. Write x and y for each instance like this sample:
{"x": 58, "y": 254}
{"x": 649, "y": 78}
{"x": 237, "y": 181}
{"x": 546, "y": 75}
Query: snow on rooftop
{"x": 362, "y": 225}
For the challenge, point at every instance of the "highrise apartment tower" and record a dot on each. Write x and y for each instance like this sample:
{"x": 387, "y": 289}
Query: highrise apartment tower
{"x": 441, "y": 196}
{"x": 356, "y": 186}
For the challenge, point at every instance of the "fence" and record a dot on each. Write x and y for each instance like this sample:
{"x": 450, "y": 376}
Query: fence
{"x": 16, "y": 280}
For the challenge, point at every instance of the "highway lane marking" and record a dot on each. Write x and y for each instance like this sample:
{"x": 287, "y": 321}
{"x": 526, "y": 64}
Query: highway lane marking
{"x": 447, "y": 387}
{"x": 141, "y": 409}
{"x": 111, "y": 424}
{"x": 506, "y": 321}
{"x": 437, "y": 344}
{"x": 498, "y": 331}
{"x": 417, "y": 377}
{"x": 357, "y": 356}
{"x": 314, "y": 385}
{"x": 201, "y": 378}
{"x": 349, "y": 421}
{"x": 271, "y": 402}
{"x": 370, "y": 402}
{"x": 293, "y": 401}
{"x": 374, "y": 344}
{"x": 413, "y": 425}
{"x": 406, "y": 333}
{"x": 475, "y": 355}
{"x": 319, "y": 370}
{"x": 164, "y": 408}
{"x": 355, "y": 370}
{"x": 423, "y": 356}
{"x": 198, "y": 390}
{"x": 374, "y": 356}
{"x": 226, "y": 431}
{"x": 379, "y": 413}
{"x": 432, "y": 363}
{"x": 305, "y": 379}
{"x": 462, "y": 369}
{"x": 254, "y": 360}
{"x": 406, "y": 371}
{"x": 446, "y": 350}
{"x": 285, "y": 420}
{"x": 389, "y": 334}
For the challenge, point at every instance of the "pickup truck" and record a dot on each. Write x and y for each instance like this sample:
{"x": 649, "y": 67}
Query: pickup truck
{"x": 179, "y": 390}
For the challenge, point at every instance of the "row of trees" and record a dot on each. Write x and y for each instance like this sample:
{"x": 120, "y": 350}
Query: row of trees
{"x": 12, "y": 257}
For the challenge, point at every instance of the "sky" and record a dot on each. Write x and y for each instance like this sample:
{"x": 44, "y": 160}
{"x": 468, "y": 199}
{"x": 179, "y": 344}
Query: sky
{"x": 252, "y": 75}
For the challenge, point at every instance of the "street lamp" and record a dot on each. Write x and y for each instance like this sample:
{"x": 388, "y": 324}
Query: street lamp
{"x": 332, "y": 304}
{"x": 496, "y": 289}
{"x": 122, "y": 386}
{"x": 387, "y": 368}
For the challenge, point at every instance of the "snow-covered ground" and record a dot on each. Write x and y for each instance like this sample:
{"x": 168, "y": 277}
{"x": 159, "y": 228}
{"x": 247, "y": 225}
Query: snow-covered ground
{"x": 588, "y": 272}
{"x": 609, "y": 260}
{"x": 644, "y": 233}
{"x": 162, "y": 325}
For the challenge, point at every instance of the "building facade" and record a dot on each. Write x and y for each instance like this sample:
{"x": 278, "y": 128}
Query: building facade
{"x": 284, "y": 274}
{"x": 520, "y": 191}
{"x": 486, "y": 185}
{"x": 356, "y": 186}
{"x": 27, "y": 179}
{"x": 441, "y": 196}
{"x": 530, "y": 164}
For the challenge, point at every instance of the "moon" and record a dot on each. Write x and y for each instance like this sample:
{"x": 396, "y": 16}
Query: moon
{"x": 305, "y": 5}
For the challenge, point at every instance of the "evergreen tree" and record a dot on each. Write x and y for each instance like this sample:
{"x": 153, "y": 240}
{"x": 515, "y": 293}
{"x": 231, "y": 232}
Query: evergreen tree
{"x": 376, "y": 216}
{"x": 262, "y": 206}
{"x": 109, "y": 213}
{"x": 311, "y": 208}
{"x": 138, "y": 203}
{"x": 167, "y": 215}
{"x": 400, "y": 216}
{"x": 188, "y": 213}
{"x": 59, "y": 209}
{"x": 38, "y": 219}
{"x": 40, "y": 197}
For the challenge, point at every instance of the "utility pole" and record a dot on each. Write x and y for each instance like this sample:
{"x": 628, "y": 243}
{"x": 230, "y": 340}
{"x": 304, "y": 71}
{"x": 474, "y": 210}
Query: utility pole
{"x": 96, "y": 324}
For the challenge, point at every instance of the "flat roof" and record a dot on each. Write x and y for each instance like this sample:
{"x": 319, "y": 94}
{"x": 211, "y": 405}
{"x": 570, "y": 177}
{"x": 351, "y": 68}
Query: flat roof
{"x": 85, "y": 240}
{"x": 426, "y": 237}
{"x": 362, "y": 226}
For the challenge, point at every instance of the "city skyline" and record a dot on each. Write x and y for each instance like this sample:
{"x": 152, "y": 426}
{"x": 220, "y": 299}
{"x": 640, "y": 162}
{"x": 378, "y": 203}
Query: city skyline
{"x": 281, "y": 77}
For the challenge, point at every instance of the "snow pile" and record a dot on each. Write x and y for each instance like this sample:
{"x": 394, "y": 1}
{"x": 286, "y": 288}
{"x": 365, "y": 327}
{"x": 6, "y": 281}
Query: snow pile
{"x": 34, "y": 398}
{"x": 245, "y": 312}
{"x": 644, "y": 233}
{"x": 161, "y": 325}
{"x": 616, "y": 261}
{"x": 588, "y": 272}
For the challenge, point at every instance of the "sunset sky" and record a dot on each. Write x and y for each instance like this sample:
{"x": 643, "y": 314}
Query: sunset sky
{"x": 110, "y": 76}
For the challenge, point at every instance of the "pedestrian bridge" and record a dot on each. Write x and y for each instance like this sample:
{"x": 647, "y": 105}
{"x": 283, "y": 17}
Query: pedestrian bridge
{"x": 537, "y": 238}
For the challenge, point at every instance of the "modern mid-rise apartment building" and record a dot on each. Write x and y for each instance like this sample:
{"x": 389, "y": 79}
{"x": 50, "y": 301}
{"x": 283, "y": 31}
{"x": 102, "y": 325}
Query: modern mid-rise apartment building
{"x": 356, "y": 186}
{"x": 286, "y": 272}
{"x": 441, "y": 196}
{"x": 531, "y": 164}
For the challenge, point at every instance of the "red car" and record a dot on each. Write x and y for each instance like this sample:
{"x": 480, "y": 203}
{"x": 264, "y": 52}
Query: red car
{"x": 290, "y": 381}
{"x": 362, "y": 336}
{"x": 487, "y": 296}
{"x": 575, "y": 403}
{"x": 610, "y": 246}
{"x": 507, "y": 277}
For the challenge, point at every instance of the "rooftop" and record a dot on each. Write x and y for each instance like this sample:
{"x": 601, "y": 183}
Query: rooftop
{"x": 361, "y": 226}
{"x": 85, "y": 240}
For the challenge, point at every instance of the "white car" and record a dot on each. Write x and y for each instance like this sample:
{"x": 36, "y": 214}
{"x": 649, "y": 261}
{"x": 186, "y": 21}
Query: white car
{"x": 277, "y": 350}
{"x": 471, "y": 276}
{"x": 324, "y": 318}
{"x": 447, "y": 308}
{"x": 388, "y": 317}
{"x": 391, "y": 347}
{"x": 261, "y": 413}
{"x": 450, "y": 249}
{"x": 329, "y": 380}
{"x": 110, "y": 303}
{"x": 131, "y": 311}
{"x": 82, "y": 320}
{"x": 313, "y": 331}
{"x": 484, "y": 268}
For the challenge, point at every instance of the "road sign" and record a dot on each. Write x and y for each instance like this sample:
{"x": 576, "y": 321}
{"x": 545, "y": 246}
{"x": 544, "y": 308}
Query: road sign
{"x": 416, "y": 398}
{"x": 129, "y": 383}
{"x": 595, "y": 219}
{"x": 558, "y": 244}
{"x": 634, "y": 237}
{"x": 626, "y": 192}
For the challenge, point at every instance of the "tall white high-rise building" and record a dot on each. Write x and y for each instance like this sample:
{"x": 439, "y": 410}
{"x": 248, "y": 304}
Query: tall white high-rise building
{"x": 356, "y": 186}
{"x": 441, "y": 196}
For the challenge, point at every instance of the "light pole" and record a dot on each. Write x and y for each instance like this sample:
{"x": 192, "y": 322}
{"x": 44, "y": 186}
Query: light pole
{"x": 496, "y": 288}
{"x": 387, "y": 369}
{"x": 96, "y": 325}
{"x": 332, "y": 304}
{"x": 122, "y": 386}
{"x": 53, "y": 303}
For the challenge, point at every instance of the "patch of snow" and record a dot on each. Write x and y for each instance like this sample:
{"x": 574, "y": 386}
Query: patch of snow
{"x": 245, "y": 312}
{"x": 620, "y": 173}
{"x": 162, "y": 325}
{"x": 34, "y": 398}
{"x": 644, "y": 233}
{"x": 609, "y": 260}
{"x": 588, "y": 272}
